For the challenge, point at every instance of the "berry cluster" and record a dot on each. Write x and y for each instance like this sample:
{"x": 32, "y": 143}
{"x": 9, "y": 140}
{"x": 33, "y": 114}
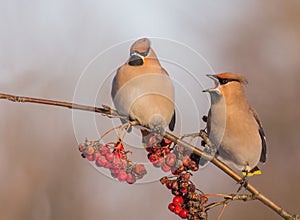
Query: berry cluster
{"x": 172, "y": 158}
{"x": 113, "y": 157}
{"x": 187, "y": 203}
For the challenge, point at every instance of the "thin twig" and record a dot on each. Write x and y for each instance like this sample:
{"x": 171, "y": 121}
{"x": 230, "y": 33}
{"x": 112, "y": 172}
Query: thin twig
{"x": 107, "y": 111}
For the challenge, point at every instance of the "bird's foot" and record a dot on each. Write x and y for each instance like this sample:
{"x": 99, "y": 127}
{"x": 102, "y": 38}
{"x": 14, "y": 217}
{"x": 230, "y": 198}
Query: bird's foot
{"x": 243, "y": 183}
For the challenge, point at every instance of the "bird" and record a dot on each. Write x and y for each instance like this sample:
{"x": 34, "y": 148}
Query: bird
{"x": 233, "y": 126}
{"x": 143, "y": 90}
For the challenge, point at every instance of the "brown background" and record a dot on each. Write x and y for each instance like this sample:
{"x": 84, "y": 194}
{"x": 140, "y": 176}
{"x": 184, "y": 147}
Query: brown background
{"x": 45, "y": 46}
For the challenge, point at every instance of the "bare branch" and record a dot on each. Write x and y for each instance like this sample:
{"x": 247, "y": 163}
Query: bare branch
{"x": 105, "y": 110}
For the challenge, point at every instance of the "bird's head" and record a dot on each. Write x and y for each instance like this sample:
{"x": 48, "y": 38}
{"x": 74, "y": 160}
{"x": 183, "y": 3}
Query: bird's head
{"x": 225, "y": 82}
{"x": 139, "y": 51}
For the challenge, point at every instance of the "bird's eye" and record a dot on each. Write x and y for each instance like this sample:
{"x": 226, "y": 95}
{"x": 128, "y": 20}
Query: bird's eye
{"x": 223, "y": 81}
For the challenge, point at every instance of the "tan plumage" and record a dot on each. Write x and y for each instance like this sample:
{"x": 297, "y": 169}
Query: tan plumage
{"x": 143, "y": 90}
{"x": 233, "y": 125}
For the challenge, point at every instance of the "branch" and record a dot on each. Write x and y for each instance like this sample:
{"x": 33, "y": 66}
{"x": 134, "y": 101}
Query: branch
{"x": 107, "y": 111}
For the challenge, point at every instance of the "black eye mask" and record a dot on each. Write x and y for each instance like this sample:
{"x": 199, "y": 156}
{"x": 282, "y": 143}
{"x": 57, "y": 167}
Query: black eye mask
{"x": 224, "y": 81}
{"x": 135, "y": 60}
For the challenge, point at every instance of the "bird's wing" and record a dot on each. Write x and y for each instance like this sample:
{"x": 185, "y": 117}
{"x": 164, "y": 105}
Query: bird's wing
{"x": 208, "y": 122}
{"x": 263, "y": 156}
{"x": 172, "y": 122}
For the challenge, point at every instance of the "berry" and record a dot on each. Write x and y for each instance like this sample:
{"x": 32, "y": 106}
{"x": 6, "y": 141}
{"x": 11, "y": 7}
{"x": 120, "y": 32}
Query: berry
{"x": 184, "y": 184}
{"x": 165, "y": 167}
{"x": 170, "y": 159}
{"x": 169, "y": 185}
{"x": 152, "y": 158}
{"x": 158, "y": 162}
{"x": 110, "y": 156}
{"x": 186, "y": 160}
{"x": 171, "y": 207}
{"x": 130, "y": 178}
{"x": 184, "y": 191}
{"x": 122, "y": 176}
{"x": 101, "y": 162}
{"x": 167, "y": 141}
{"x": 104, "y": 150}
{"x": 183, "y": 213}
{"x": 140, "y": 169}
{"x": 167, "y": 151}
{"x": 177, "y": 209}
{"x": 185, "y": 176}
{"x": 177, "y": 200}
{"x": 114, "y": 175}
{"x": 81, "y": 147}
{"x": 90, "y": 157}
{"x": 96, "y": 156}
{"x": 152, "y": 141}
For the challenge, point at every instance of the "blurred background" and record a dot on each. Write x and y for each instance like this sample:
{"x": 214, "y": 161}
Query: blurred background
{"x": 44, "y": 48}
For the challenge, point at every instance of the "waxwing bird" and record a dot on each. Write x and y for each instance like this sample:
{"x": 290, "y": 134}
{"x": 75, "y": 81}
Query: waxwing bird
{"x": 233, "y": 125}
{"x": 143, "y": 90}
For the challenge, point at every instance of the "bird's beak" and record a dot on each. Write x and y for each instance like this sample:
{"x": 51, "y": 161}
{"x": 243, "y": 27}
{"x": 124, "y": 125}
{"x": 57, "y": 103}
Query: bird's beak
{"x": 217, "y": 84}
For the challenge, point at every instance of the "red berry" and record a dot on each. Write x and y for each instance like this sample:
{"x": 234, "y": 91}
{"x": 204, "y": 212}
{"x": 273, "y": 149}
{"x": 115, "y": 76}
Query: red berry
{"x": 167, "y": 151}
{"x": 158, "y": 162}
{"x": 108, "y": 165}
{"x": 152, "y": 141}
{"x": 184, "y": 191}
{"x": 171, "y": 207}
{"x": 158, "y": 152}
{"x": 186, "y": 160}
{"x": 90, "y": 157}
{"x": 152, "y": 158}
{"x": 167, "y": 141}
{"x": 148, "y": 149}
{"x": 170, "y": 159}
{"x": 110, "y": 156}
{"x": 183, "y": 213}
{"x": 185, "y": 176}
{"x": 165, "y": 167}
{"x": 130, "y": 178}
{"x": 194, "y": 166}
{"x": 177, "y": 200}
{"x": 114, "y": 170}
{"x": 104, "y": 150}
{"x": 96, "y": 156}
{"x": 114, "y": 175}
{"x": 169, "y": 185}
{"x": 122, "y": 176}
{"x": 101, "y": 162}
{"x": 177, "y": 209}
{"x": 116, "y": 163}
{"x": 140, "y": 169}
{"x": 80, "y": 147}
